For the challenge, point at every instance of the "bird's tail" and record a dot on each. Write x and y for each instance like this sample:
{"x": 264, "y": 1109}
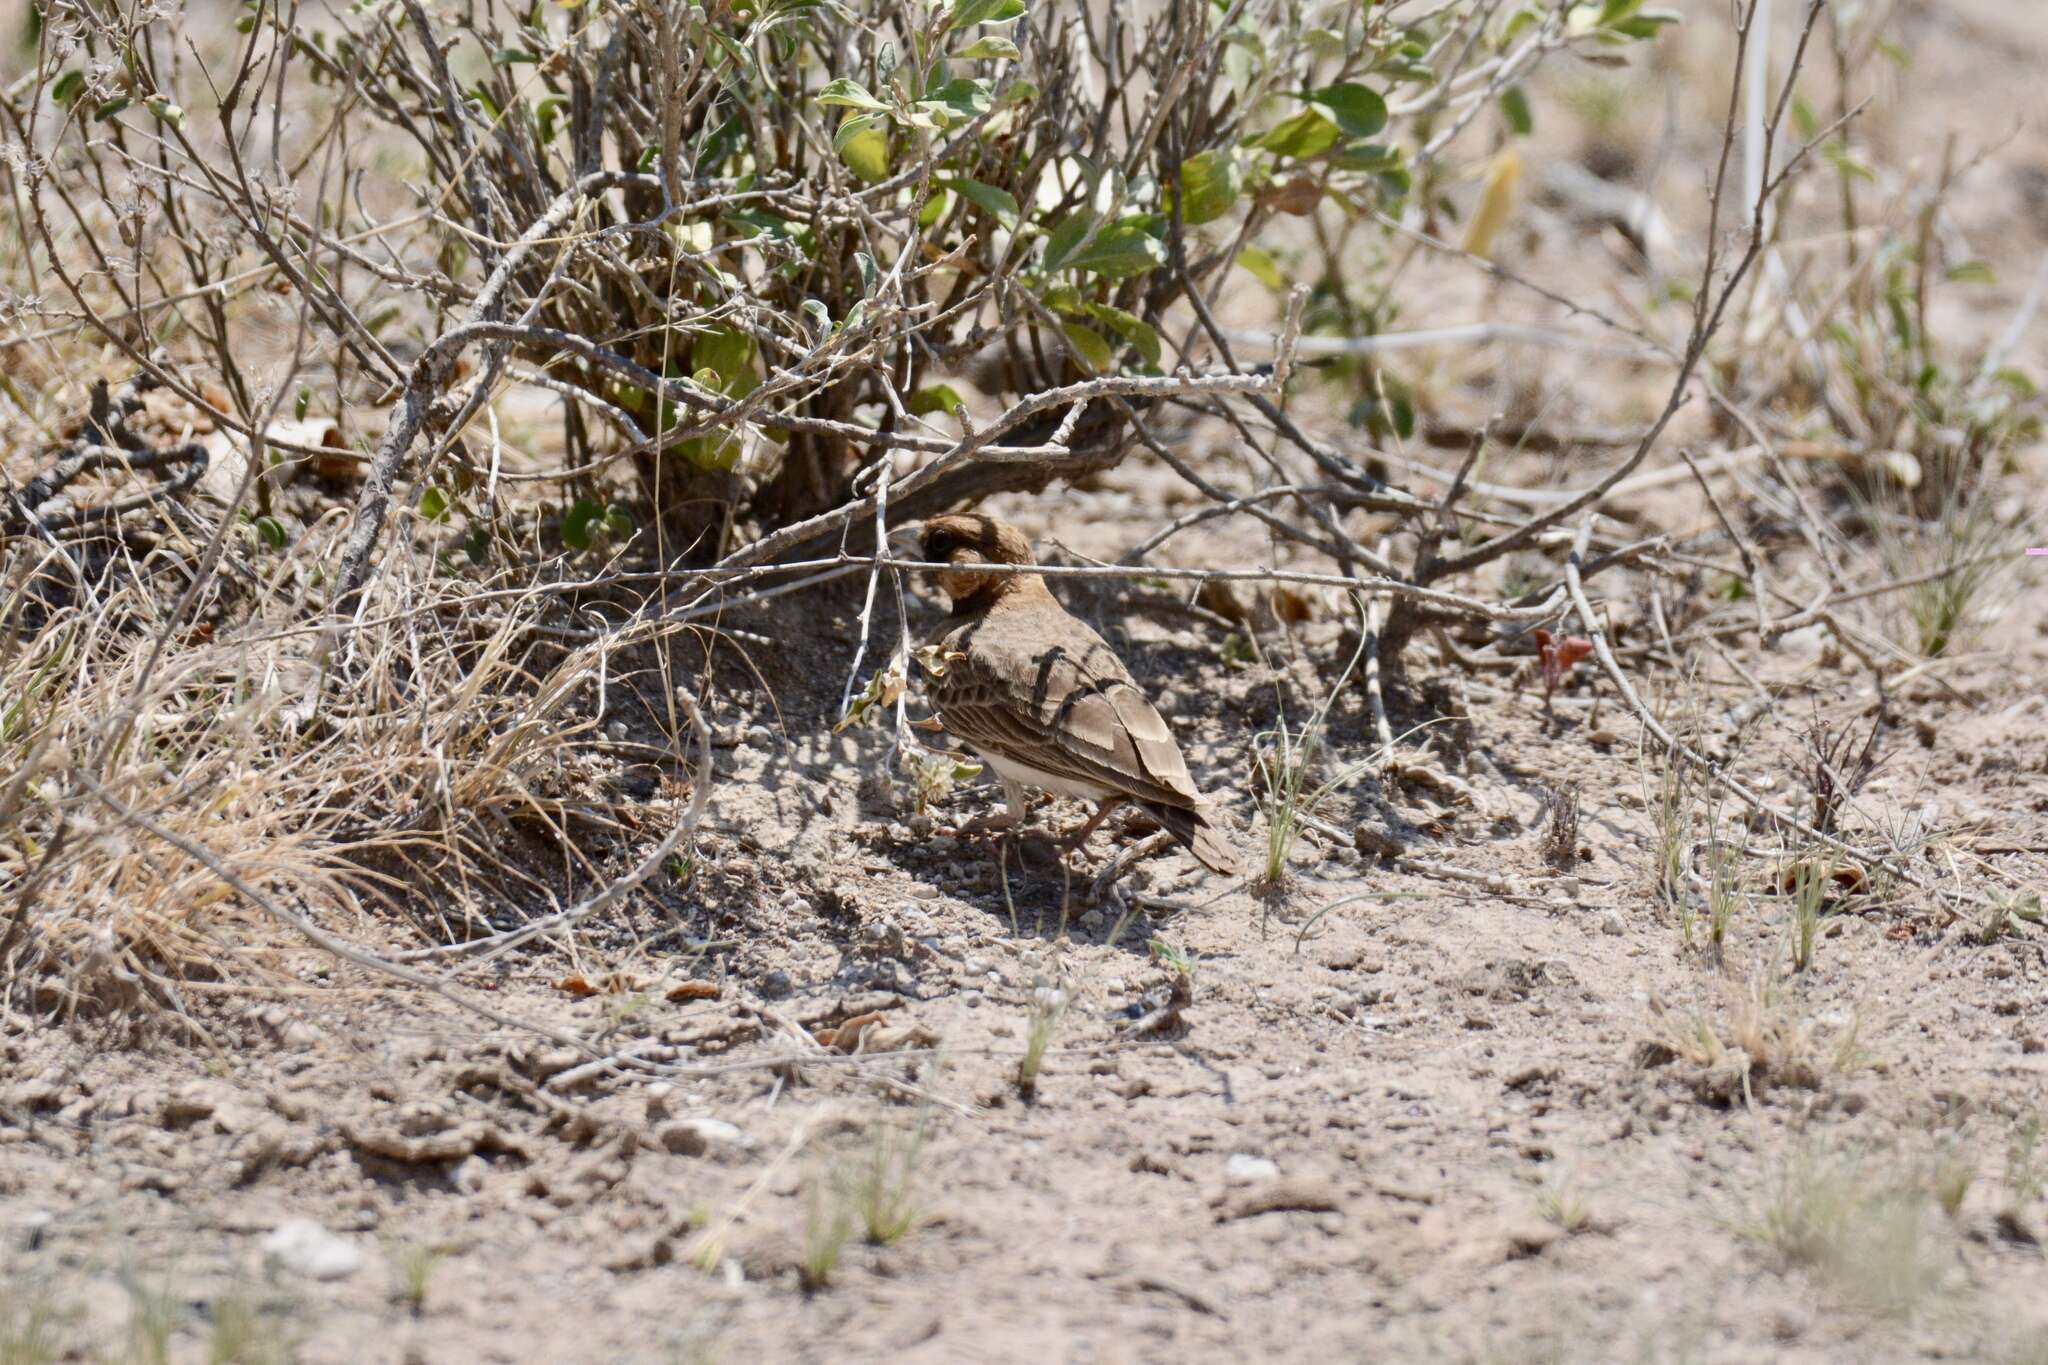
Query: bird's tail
{"x": 1200, "y": 831}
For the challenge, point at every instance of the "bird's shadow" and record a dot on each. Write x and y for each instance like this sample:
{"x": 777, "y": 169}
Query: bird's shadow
{"x": 1019, "y": 881}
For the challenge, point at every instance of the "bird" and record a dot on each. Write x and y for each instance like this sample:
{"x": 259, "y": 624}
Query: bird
{"x": 1044, "y": 700}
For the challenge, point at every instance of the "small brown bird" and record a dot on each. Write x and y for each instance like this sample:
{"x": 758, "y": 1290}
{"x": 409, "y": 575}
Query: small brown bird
{"x": 1044, "y": 701}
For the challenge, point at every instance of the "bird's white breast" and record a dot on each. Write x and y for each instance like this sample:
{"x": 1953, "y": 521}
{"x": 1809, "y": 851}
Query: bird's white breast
{"x": 1059, "y": 784}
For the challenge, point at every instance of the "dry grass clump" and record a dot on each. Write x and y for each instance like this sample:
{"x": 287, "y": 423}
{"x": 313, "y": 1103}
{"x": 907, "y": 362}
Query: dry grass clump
{"x": 1759, "y": 1036}
{"x": 1870, "y": 1235}
{"x": 154, "y": 753}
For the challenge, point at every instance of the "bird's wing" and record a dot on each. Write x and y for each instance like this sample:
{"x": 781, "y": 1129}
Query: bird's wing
{"x": 1052, "y": 695}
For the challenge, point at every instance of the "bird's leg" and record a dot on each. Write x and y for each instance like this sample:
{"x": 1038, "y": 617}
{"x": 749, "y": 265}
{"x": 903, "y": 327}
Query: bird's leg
{"x": 1078, "y": 837}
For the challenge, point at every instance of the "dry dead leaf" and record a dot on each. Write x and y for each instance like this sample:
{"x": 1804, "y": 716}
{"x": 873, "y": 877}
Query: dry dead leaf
{"x": 846, "y": 1037}
{"x": 611, "y": 983}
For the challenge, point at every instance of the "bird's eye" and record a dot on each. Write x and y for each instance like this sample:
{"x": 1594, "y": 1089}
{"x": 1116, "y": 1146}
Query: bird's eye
{"x": 939, "y": 546}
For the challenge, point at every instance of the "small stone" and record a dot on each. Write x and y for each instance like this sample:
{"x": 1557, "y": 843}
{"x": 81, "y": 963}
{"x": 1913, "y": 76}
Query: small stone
{"x": 776, "y": 984}
{"x": 703, "y": 1137}
{"x": 304, "y": 1247}
{"x": 657, "y": 1099}
{"x": 469, "y": 1174}
{"x": 760, "y": 736}
{"x": 1245, "y": 1169}
{"x": 1808, "y": 642}
{"x": 1379, "y": 842}
{"x": 1788, "y": 1324}
{"x": 1531, "y": 1237}
{"x": 189, "y": 1105}
{"x": 1613, "y": 923}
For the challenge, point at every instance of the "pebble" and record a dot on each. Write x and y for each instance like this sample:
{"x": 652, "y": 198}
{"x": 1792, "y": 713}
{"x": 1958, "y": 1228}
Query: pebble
{"x": 1808, "y": 642}
{"x": 656, "y": 1099}
{"x": 1243, "y": 1168}
{"x": 760, "y": 736}
{"x": 303, "y": 1246}
{"x": 703, "y": 1137}
{"x": 1612, "y": 923}
{"x": 469, "y": 1175}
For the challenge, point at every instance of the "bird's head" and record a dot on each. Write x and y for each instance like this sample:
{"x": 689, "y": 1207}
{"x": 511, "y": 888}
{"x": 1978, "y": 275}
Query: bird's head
{"x": 963, "y": 540}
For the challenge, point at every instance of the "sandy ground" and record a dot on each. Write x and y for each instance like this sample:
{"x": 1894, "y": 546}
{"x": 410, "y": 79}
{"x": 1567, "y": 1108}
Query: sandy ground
{"x": 1498, "y": 1112}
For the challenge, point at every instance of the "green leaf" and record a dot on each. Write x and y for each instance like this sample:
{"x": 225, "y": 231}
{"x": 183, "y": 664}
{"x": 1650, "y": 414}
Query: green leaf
{"x": 968, "y": 13}
{"x": 986, "y": 47}
{"x": 1209, "y": 184}
{"x": 1064, "y": 238}
{"x": 110, "y": 108}
{"x": 863, "y": 146}
{"x": 618, "y": 522}
{"x": 728, "y": 354}
{"x": 163, "y": 109}
{"x": 544, "y": 115}
{"x": 1092, "y": 345}
{"x": 852, "y": 95}
{"x": 1519, "y": 20}
{"x": 1000, "y": 204}
{"x": 961, "y": 101}
{"x": 65, "y": 89}
{"x": 513, "y": 56}
{"x": 723, "y": 361}
{"x": 935, "y": 207}
{"x": 1304, "y": 135}
{"x": 434, "y": 503}
{"x": 1119, "y": 250}
{"x": 1371, "y": 157}
{"x": 1514, "y": 106}
{"x": 1646, "y": 24}
{"x": 1972, "y": 272}
{"x": 272, "y": 531}
{"x": 576, "y": 525}
{"x": 1360, "y": 111}
{"x": 1130, "y": 327}
{"x": 936, "y": 398}
{"x": 301, "y": 403}
{"x": 1260, "y": 265}
{"x": 1804, "y": 122}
